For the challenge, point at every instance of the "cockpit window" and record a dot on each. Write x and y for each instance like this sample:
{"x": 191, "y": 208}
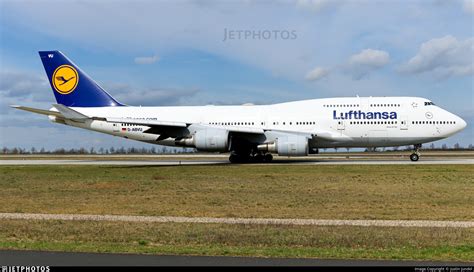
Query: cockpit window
{"x": 429, "y": 103}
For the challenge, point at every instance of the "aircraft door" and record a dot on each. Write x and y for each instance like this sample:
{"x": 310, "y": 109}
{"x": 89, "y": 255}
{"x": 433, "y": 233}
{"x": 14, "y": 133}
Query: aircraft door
{"x": 115, "y": 127}
{"x": 404, "y": 122}
{"x": 340, "y": 125}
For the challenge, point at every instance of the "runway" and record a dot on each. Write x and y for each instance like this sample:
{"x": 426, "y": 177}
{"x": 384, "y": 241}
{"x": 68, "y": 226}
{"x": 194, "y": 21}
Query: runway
{"x": 242, "y": 221}
{"x": 45, "y": 258}
{"x": 219, "y": 160}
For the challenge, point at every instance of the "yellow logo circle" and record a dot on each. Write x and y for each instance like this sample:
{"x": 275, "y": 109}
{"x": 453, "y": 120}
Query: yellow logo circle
{"x": 65, "y": 79}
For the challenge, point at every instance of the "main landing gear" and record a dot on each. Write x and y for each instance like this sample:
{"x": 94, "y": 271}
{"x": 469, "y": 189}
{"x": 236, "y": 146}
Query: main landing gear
{"x": 255, "y": 158}
{"x": 415, "y": 156}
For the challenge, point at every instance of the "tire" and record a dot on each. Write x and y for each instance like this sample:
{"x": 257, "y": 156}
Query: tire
{"x": 268, "y": 157}
{"x": 258, "y": 158}
{"x": 236, "y": 158}
{"x": 414, "y": 157}
{"x": 233, "y": 158}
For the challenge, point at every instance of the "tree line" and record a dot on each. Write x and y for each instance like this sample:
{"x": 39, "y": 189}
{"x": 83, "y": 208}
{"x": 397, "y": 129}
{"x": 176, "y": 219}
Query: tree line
{"x": 178, "y": 150}
{"x": 100, "y": 151}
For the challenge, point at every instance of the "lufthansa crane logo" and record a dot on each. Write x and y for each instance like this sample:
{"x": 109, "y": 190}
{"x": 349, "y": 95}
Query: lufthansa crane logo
{"x": 65, "y": 79}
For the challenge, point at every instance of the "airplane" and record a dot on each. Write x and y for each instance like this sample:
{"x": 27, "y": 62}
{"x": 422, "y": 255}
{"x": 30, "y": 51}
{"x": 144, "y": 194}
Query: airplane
{"x": 250, "y": 133}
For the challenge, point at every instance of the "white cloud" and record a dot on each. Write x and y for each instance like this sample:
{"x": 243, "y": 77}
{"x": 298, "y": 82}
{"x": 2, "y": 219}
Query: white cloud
{"x": 444, "y": 57}
{"x": 469, "y": 6}
{"x": 146, "y": 60}
{"x": 23, "y": 84}
{"x": 164, "y": 26}
{"x": 370, "y": 57}
{"x": 317, "y": 73}
{"x": 366, "y": 61}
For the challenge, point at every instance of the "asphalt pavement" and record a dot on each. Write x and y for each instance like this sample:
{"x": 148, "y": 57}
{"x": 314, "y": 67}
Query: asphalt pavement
{"x": 45, "y": 258}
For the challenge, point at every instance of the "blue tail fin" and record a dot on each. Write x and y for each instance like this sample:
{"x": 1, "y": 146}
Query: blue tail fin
{"x": 71, "y": 86}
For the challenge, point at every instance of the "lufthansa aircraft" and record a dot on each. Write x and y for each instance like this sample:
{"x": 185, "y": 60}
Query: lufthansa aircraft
{"x": 248, "y": 132}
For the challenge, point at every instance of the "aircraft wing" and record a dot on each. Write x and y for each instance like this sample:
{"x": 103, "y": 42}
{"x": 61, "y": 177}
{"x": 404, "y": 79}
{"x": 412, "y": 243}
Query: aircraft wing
{"x": 156, "y": 126}
{"x": 144, "y": 122}
{"x": 160, "y": 127}
{"x": 171, "y": 128}
{"x": 236, "y": 129}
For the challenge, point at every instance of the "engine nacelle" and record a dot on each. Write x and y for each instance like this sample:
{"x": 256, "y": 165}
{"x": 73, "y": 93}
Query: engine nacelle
{"x": 216, "y": 140}
{"x": 212, "y": 140}
{"x": 291, "y": 145}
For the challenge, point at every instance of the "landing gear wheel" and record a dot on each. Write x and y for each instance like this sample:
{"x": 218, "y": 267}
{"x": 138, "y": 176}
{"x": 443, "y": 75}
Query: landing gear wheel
{"x": 233, "y": 158}
{"x": 414, "y": 157}
{"x": 268, "y": 157}
{"x": 258, "y": 158}
{"x": 416, "y": 153}
{"x": 239, "y": 158}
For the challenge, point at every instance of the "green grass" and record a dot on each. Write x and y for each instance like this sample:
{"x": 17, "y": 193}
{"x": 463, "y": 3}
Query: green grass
{"x": 433, "y": 192}
{"x": 241, "y": 240}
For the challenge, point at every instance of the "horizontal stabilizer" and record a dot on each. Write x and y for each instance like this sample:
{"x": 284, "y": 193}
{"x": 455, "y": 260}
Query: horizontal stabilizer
{"x": 69, "y": 113}
{"x": 39, "y": 111}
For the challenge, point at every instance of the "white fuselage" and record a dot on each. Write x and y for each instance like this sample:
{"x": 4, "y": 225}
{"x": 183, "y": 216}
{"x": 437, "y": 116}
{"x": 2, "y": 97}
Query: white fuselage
{"x": 338, "y": 122}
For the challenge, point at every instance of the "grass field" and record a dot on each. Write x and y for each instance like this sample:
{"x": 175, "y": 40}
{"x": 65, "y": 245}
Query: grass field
{"x": 435, "y": 192}
{"x": 241, "y": 240}
{"x": 432, "y": 192}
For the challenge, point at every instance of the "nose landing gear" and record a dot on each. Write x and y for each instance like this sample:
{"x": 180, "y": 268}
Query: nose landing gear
{"x": 415, "y": 156}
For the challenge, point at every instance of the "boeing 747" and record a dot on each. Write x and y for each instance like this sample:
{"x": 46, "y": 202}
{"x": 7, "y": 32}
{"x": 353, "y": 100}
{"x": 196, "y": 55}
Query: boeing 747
{"x": 248, "y": 132}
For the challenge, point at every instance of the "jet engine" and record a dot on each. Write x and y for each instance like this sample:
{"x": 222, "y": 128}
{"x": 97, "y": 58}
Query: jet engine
{"x": 291, "y": 145}
{"x": 210, "y": 139}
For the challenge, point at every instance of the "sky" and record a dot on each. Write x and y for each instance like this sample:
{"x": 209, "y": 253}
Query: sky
{"x": 233, "y": 52}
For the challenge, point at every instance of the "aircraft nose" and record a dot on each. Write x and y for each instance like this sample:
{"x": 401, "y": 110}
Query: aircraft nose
{"x": 462, "y": 123}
